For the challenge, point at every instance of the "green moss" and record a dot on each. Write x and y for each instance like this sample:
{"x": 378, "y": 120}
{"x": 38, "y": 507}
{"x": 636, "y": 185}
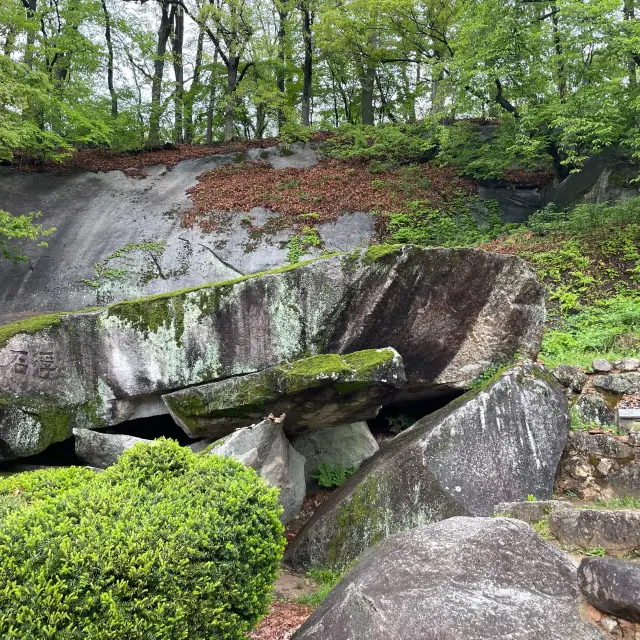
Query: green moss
{"x": 369, "y": 361}
{"x": 345, "y": 388}
{"x": 360, "y": 519}
{"x": 178, "y": 308}
{"x": 377, "y": 251}
{"x": 28, "y": 326}
{"x": 149, "y": 313}
{"x": 56, "y": 426}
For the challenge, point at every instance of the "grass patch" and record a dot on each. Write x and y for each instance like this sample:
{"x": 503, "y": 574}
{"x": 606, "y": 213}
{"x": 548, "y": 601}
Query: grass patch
{"x": 326, "y": 580}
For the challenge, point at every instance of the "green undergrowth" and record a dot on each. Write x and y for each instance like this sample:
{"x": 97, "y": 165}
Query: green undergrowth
{"x": 325, "y": 580}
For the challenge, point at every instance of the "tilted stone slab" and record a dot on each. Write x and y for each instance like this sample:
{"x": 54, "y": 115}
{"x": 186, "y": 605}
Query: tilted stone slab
{"x": 498, "y": 444}
{"x": 317, "y": 392}
{"x": 451, "y": 314}
{"x": 462, "y": 579}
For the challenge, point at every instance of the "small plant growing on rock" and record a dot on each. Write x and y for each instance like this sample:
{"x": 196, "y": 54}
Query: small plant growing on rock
{"x": 165, "y": 544}
{"x": 333, "y": 475}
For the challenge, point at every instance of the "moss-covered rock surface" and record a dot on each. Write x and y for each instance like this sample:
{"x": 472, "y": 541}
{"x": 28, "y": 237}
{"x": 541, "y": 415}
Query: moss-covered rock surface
{"x": 316, "y": 392}
{"x": 450, "y": 313}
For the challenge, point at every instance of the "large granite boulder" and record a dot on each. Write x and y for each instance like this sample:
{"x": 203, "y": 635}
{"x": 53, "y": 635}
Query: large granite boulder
{"x": 475, "y": 578}
{"x": 346, "y": 446}
{"x": 612, "y": 585}
{"x": 316, "y": 392}
{"x": 451, "y": 314}
{"x": 497, "y": 444}
{"x": 101, "y": 450}
{"x": 265, "y": 448}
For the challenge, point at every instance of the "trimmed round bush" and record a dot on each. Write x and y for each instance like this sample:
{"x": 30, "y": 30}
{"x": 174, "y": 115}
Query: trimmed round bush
{"x": 23, "y": 489}
{"x": 164, "y": 545}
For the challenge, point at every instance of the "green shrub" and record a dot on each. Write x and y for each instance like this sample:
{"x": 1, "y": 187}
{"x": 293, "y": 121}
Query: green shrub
{"x": 164, "y": 545}
{"x": 333, "y": 475}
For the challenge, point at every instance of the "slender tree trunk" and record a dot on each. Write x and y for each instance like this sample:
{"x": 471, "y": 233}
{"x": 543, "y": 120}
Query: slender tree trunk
{"x": 107, "y": 35}
{"x": 156, "y": 85}
{"x": 557, "y": 44}
{"x": 232, "y": 83}
{"x": 31, "y": 7}
{"x": 307, "y": 79}
{"x": 212, "y": 99}
{"x": 280, "y": 75}
{"x": 368, "y": 81}
{"x": 190, "y": 96}
{"x": 178, "y": 70}
{"x": 632, "y": 65}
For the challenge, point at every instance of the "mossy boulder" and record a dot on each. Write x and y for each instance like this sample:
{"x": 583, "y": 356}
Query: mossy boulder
{"x": 500, "y": 443}
{"x": 450, "y": 313}
{"x": 317, "y": 392}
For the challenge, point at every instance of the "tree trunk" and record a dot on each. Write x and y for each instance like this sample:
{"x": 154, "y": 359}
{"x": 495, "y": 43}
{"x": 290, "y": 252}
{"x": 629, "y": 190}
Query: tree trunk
{"x": 232, "y": 83}
{"x": 107, "y": 35}
{"x": 368, "y": 81}
{"x": 632, "y": 64}
{"x": 178, "y": 70}
{"x": 280, "y": 75}
{"x": 212, "y": 97}
{"x": 307, "y": 22}
{"x": 190, "y": 96}
{"x": 156, "y": 85}
{"x": 557, "y": 44}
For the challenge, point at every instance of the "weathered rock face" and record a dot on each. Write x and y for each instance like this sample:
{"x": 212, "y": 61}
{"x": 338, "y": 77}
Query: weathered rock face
{"x": 599, "y": 466}
{"x": 495, "y": 445}
{"x": 570, "y": 377}
{"x": 101, "y": 450}
{"x": 265, "y": 448}
{"x": 480, "y": 578}
{"x": 450, "y": 313}
{"x": 619, "y": 383}
{"x": 592, "y": 408}
{"x": 317, "y": 392}
{"x": 346, "y": 446}
{"x": 611, "y": 585}
{"x": 616, "y": 530}
{"x": 530, "y": 511}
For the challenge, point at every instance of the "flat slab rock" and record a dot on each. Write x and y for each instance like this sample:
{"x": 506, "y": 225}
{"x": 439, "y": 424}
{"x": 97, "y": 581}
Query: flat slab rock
{"x": 450, "y": 313}
{"x": 612, "y": 585}
{"x": 479, "y": 578}
{"x": 615, "y": 530}
{"x": 317, "y": 392}
{"x": 101, "y": 450}
{"x": 497, "y": 444}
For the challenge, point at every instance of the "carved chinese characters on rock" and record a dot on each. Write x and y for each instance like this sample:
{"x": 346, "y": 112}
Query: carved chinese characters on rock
{"x": 39, "y": 363}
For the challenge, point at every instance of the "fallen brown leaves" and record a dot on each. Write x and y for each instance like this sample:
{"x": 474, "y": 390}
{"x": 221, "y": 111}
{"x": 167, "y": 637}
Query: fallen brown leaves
{"x": 309, "y": 507}
{"x": 281, "y": 621}
{"x": 329, "y": 189}
{"x": 133, "y": 163}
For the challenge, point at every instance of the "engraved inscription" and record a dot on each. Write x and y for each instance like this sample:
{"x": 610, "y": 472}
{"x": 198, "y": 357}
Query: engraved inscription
{"x": 39, "y": 364}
